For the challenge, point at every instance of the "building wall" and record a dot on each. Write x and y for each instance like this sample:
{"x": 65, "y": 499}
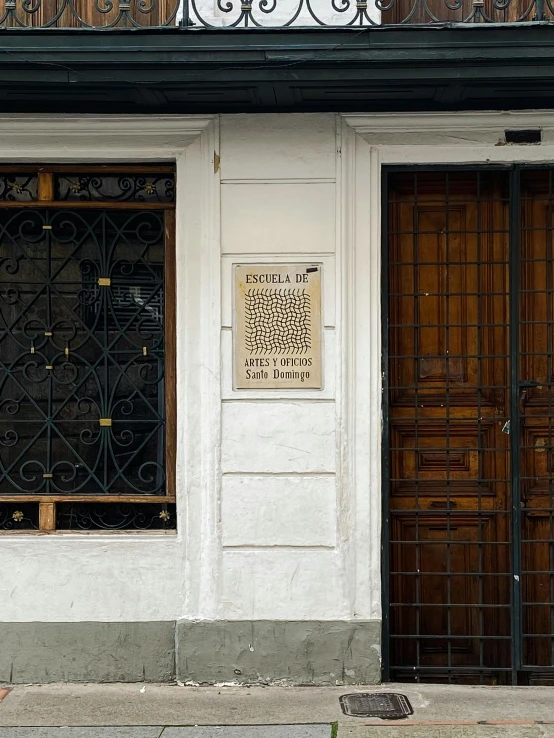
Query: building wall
{"x": 274, "y": 573}
{"x": 281, "y": 556}
{"x": 258, "y": 583}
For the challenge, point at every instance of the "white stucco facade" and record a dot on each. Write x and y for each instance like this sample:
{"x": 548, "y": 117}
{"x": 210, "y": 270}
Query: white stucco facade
{"x": 278, "y": 491}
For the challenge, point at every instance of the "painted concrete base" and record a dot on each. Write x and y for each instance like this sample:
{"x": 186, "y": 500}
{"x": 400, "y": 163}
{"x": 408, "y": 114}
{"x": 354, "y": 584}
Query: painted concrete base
{"x": 86, "y": 652}
{"x": 203, "y": 652}
{"x": 299, "y": 652}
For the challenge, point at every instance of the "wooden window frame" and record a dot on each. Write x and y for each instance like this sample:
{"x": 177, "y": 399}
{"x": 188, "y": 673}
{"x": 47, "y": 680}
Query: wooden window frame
{"x": 46, "y": 199}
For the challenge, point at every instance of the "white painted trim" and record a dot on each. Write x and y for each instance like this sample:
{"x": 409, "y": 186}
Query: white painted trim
{"x": 364, "y": 123}
{"x": 345, "y": 347}
{"x": 359, "y": 328}
{"x": 199, "y": 375}
{"x": 454, "y": 138}
{"x": 187, "y": 562}
{"x": 60, "y": 138}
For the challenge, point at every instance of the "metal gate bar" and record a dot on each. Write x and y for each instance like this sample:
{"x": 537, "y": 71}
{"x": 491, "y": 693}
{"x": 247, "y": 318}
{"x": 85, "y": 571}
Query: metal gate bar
{"x": 515, "y": 253}
{"x": 446, "y": 458}
{"x": 468, "y": 298}
{"x": 535, "y": 417}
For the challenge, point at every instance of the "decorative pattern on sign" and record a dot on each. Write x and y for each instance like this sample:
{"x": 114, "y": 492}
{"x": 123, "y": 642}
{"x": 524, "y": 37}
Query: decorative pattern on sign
{"x": 277, "y": 321}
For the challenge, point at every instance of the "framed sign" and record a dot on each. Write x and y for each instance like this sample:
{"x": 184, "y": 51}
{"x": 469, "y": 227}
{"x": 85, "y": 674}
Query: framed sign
{"x": 278, "y": 326}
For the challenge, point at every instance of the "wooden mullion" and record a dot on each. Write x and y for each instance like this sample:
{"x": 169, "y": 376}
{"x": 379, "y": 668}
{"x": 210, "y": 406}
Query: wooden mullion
{"x": 19, "y": 169}
{"x": 99, "y": 531}
{"x": 87, "y": 169}
{"x": 108, "y": 169}
{"x": 170, "y": 371}
{"x": 45, "y": 187}
{"x": 83, "y": 205}
{"x": 47, "y": 516}
{"x": 48, "y": 499}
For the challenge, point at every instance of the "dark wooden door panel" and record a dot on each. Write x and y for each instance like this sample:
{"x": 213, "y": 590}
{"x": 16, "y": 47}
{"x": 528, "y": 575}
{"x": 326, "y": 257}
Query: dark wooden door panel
{"x": 448, "y": 404}
{"x": 456, "y": 590}
{"x": 453, "y": 365}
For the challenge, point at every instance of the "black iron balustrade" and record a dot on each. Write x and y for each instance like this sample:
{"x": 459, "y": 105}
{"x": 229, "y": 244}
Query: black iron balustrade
{"x": 191, "y": 14}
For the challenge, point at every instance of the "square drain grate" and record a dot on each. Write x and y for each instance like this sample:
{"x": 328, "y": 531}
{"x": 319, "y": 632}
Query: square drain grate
{"x": 385, "y": 705}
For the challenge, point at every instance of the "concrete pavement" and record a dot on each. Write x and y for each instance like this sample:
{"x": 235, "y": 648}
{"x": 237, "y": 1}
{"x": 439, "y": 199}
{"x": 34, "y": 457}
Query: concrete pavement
{"x": 172, "y": 711}
{"x": 261, "y": 731}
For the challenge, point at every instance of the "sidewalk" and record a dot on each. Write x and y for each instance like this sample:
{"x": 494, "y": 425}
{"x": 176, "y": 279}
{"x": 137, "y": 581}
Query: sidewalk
{"x": 171, "y": 711}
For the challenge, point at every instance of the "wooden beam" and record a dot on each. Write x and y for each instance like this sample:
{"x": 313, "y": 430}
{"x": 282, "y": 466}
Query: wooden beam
{"x": 47, "y": 516}
{"x": 123, "y": 499}
{"x": 45, "y": 187}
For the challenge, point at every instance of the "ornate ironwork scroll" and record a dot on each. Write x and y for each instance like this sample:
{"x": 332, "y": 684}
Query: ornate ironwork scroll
{"x": 82, "y": 400}
{"x": 127, "y": 516}
{"x": 121, "y": 14}
{"x": 360, "y": 13}
{"x": 17, "y": 516}
{"x": 18, "y": 187}
{"x": 115, "y": 188}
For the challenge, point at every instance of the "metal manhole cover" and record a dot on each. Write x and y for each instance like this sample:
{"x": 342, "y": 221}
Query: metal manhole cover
{"x": 385, "y": 705}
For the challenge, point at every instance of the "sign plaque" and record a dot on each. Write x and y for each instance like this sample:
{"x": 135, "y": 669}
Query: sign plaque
{"x": 278, "y": 326}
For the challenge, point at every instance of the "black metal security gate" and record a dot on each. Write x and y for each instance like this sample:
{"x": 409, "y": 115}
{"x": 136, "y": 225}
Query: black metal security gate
{"x": 87, "y": 349}
{"x": 468, "y": 564}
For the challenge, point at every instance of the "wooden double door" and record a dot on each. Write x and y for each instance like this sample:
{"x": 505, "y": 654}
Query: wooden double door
{"x": 469, "y": 425}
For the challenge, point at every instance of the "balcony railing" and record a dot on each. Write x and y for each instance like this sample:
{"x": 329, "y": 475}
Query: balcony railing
{"x": 193, "y": 14}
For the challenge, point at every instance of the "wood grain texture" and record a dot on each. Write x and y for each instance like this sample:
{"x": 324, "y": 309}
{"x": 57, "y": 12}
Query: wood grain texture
{"x": 47, "y": 516}
{"x": 449, "y": 459}
{"x": 45, "y": 186}
{"x": 170, "y": 353}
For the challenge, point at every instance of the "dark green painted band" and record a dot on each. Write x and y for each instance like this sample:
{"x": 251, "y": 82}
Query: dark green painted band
{"x": 246, "y": 652}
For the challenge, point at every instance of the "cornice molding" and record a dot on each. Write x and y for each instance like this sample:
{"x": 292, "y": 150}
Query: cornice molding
{"x": 448, "y": 128}
{"x": 98, "y": 136}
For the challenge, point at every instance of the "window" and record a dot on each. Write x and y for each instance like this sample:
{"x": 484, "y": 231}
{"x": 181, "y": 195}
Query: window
{"x": 87, "y": 349}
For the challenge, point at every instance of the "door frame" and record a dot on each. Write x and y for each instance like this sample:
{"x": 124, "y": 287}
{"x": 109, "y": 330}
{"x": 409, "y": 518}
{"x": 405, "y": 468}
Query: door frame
{"x": 366, "y": 142}
{"x": 514, "y": 170}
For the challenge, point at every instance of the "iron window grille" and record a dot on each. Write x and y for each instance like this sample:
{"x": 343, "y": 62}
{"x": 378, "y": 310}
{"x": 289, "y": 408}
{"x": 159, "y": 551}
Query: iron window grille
{"x": 87, "y": 349}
